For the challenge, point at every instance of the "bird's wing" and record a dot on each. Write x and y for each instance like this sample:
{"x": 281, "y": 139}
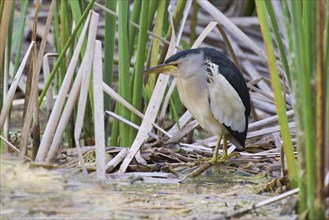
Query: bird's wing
{"x": 226, "y": 104}
{"x": 229, "y": 98}
{"x": 217, "y": 63}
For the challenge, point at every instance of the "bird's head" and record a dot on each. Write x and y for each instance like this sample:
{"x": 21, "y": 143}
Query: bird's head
{"x": 183, "y": 64}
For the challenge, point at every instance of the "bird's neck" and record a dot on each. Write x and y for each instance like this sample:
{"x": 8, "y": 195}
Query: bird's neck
{"x": 191, "y": 88}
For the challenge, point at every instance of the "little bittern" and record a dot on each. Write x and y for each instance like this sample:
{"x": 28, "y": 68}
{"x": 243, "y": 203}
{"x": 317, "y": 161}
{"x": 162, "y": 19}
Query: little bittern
{"x": 214, "y": 91}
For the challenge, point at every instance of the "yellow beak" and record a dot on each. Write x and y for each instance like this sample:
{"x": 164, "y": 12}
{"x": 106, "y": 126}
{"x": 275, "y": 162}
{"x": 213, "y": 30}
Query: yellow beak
{"x": 162, "y": 68}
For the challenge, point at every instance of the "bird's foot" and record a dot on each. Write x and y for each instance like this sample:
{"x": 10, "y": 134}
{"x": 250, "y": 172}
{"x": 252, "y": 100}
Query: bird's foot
{"x": 224, "y": 158}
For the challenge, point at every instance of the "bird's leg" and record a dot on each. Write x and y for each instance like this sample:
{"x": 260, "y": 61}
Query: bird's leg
{"x": 215, "y": 155}
{"x": 226, "y": 156}
{"x": 214, "y": 158}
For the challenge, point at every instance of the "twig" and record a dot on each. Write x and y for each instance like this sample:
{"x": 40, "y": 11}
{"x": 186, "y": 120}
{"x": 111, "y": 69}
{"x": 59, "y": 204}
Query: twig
{"x": 13, "y": 147}
{"x": 46, "y": 73}
{"x": 120, "y": 118}
{"x": 258, "y": 205}
{"x": 220, "y": 17}
{"x": 116, "y": 160}
{"x": 267, "y": 121}
{"x": 55, "y": 114}
{"x": 86, "y": 72}
{"x": 99, "y": 111}
{"x": 13, "y": 87}
{"x": 181, "y": 133}
{"x": 200, "y": 170}
{"x": 122, "y": 101}
{"x": 269, "y": 130}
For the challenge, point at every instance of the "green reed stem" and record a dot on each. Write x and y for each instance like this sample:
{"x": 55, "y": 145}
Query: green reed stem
{"x": 135, "y": 14}
{"x": 20, "y": 32}
{"x": 124, "y": 75}
{"x": 109, "y": 50}
{"x": 279, "y": 42}
{"x": 139, "y": 67}
{"x": 278, "y": 96}
{"x": 155, "y": 49}
{"x": 63, "y": 52}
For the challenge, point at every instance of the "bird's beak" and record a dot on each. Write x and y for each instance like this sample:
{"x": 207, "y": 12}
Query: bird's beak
{"x": 165, "y": 68}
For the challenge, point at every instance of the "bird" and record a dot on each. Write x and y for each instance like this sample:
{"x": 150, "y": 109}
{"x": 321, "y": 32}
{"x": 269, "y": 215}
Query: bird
{"x": 214, "y": 91}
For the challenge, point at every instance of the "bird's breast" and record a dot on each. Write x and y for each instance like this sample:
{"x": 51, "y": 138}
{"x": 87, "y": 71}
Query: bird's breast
{"x": 194, "y": 95}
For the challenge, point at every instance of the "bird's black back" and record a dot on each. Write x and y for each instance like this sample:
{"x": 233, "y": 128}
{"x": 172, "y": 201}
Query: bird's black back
{"x": 232, "y": 74}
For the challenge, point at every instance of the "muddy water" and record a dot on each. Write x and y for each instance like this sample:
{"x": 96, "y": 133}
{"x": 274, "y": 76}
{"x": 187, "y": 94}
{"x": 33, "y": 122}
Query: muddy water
{"x": 38, "y": 193}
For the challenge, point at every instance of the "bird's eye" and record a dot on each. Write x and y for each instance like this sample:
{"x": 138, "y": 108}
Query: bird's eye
{"x": 174, "y": 64}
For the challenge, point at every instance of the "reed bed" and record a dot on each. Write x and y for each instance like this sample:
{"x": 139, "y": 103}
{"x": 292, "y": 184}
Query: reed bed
{"x": 96, "y": 99}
